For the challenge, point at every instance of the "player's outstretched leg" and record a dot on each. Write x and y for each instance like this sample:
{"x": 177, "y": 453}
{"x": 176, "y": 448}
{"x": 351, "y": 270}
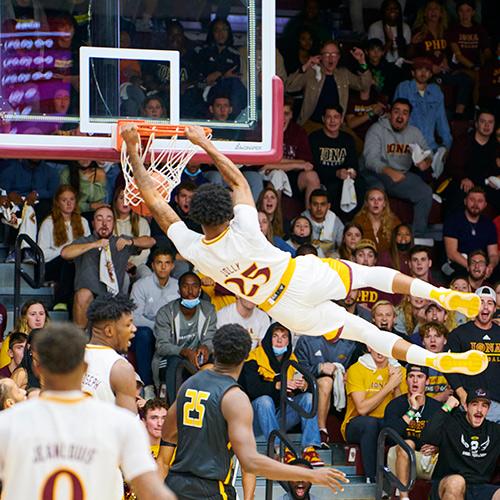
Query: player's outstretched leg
{"x": 391, "y": 345}
{"x": 392, "y": 281}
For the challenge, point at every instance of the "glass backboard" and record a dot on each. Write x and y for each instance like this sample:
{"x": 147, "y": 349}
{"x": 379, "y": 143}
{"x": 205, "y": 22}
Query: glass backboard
{"x": 71, "y": 68}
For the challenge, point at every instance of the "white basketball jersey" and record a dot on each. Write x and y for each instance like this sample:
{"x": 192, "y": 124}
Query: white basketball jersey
{"x": 241, "y": 258}
{"x": 67, "y": 445}
{"x": 97, "y": 379}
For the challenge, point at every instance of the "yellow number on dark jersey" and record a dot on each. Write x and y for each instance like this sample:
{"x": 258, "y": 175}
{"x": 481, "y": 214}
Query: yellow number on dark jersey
{"x": 194, "y": 410}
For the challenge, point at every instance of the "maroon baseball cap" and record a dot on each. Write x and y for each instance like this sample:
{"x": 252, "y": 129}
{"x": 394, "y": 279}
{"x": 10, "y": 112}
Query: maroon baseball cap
{"x": 422, "y": 62}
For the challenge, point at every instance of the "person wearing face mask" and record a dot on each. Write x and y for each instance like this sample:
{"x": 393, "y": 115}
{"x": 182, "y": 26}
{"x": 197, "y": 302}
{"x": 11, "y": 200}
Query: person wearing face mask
{"x": 183, "y": 330}
{"x": 260, "y": 379}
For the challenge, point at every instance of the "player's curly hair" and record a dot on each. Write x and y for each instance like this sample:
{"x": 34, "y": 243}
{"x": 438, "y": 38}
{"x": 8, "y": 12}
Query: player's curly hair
{"x": 232, "y": 343}
{"x": 211, "y": 205}
{"x": 109, "y": 307}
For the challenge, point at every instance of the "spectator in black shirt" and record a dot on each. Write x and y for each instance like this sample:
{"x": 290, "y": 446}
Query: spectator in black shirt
{"x": 335, "y": 159}
{"x": 470, "y": 230}
{"x": 469, "y": 446}
{"x": 472, "y": 160}
{"x": 408, "y": 415}
{"x": 483, "y": 334}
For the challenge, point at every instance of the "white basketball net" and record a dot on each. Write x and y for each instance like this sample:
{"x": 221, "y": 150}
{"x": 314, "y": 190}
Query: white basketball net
{"x": 165, "y": 168}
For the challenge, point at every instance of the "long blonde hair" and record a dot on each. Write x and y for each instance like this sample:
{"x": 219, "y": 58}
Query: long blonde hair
{"x": 420, "y": 25}
{"x": 133, "y": 217}
{"x": 22, "y": 320}
{"x": 388, "y": 219}
{"x": 277, "y": 219}
{"x": 59, "y": 231}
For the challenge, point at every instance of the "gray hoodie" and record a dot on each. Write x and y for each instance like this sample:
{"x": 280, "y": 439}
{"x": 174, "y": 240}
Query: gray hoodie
{"x": 384, "y": 147}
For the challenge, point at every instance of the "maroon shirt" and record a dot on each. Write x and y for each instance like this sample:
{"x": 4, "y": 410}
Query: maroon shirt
{"x": 472, "y": 41}
{"x": 296, "y": 143}
{"x": 5, "y": 372}
{"x": 432, "y": 48}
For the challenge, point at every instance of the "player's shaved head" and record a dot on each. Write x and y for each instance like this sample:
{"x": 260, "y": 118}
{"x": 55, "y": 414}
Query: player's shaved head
{"x": 59, "y": 348}
{"x": 211, "y": 205}
{"x": 232, "y": 343}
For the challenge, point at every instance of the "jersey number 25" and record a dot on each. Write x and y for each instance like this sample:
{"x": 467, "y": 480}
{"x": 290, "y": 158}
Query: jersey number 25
{"x": 251, "y": 274}
{"x": 193, "y": 410}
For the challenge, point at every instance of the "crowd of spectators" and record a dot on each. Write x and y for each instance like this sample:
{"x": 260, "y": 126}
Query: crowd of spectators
{"x": 390, "y": 157}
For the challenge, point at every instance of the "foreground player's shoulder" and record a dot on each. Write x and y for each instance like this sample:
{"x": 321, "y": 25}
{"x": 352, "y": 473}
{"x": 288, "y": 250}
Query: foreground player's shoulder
{"x": 234, "y": 402}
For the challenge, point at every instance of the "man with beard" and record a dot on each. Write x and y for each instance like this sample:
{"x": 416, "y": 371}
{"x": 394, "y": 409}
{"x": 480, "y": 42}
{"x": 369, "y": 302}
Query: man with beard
{"x": 469, "y": 230}
{"x": 100, "y": 261}
{"x": 478, "y": 269}
{"x": 110, "y": 377}
{"x": 469, "y": 446}
{"x": 388, "y": 155}
{"x": 484, "y": 334}
{"x": 299, "y": 490}
{"x": 408, "y": 415}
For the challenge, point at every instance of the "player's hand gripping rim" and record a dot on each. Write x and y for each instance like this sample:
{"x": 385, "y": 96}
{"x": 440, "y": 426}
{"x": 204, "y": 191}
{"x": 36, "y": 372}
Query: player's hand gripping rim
{"x": 130, "y": 135}
{"x": 331, "y": 478}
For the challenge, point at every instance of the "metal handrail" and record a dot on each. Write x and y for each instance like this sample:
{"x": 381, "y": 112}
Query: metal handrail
{"x": 285, "y": 401}
{"x": 270, "y": 453}
{"x": 19, "y": 272}
{"x": 383, "y": 472}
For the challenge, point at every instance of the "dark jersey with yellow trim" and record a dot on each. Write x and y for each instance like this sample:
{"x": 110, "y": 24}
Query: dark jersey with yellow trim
{"x": 203, "y": 447}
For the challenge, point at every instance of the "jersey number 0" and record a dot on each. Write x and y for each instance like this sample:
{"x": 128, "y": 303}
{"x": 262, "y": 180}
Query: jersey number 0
{"x": 194, "y": 409}
{"x": 49, "y": 490}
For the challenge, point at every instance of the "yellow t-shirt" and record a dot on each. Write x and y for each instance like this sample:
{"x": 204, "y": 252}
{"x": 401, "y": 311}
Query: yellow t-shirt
{"x": 361, "y": 379}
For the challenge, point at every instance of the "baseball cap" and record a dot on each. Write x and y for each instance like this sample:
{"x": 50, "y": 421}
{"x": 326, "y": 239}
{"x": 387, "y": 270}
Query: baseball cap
{"x": 434, "y": 304}
{"x": 422, "y": 62}
{"x": 366, "y": 243}
{"x": 417, "y": 368}
{"x": 487, "y": 292}
{"x": 478, "y": 394}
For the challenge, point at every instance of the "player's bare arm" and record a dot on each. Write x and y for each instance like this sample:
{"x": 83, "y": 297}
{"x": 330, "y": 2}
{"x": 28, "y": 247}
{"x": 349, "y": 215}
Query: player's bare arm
{"x": 238, "y": 413}
{"x": 149, "y": 486}
{"x": 168, "y": 436}
{"x": 229, "y": 171}
{"x": 123, "y": 384}
{"x": 161, "y": 210}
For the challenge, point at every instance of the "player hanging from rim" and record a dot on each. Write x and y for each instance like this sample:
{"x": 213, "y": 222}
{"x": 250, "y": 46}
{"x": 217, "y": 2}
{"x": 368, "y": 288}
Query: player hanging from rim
{"x": 298, "y": 292}
{"x": 211, "y": 421}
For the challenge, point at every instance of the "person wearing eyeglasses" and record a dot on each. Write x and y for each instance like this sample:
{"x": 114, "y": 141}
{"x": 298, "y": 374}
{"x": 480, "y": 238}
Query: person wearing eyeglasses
{"x": 325, "y": 84}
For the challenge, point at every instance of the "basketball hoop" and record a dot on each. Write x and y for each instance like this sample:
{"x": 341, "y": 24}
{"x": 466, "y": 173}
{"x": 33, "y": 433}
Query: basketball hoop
{"x": 165, "y": 167}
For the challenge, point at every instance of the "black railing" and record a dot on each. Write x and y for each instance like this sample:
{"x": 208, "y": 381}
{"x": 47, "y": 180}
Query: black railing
{"x": 271, "y": 440}
{"x": 383, "y": 472}
{"x": 286, "y": 400}
{"x": 39, "y": 270}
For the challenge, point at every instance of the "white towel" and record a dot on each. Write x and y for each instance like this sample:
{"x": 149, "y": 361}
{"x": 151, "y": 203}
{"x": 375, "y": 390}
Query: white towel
{"x": 28, "y": 224}
{"x": 417, "y": 154}
{"x": 438, "y": 162}
{"x": 278, "y": 179}
{"x": 107, "y": 273}
{"x": 367, "y": 361}
{"x": 348, "y": 199}
{"x": 339, "y": 398}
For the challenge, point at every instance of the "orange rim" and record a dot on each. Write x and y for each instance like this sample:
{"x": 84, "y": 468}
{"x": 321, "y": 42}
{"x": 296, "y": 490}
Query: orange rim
{"x": 145, "y": 130}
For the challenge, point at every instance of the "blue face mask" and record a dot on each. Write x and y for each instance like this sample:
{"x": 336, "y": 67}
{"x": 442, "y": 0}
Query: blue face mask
{"x": 190, "y": 303}
{"x": 192, "y": 174}
{"x": 278, "y": 351}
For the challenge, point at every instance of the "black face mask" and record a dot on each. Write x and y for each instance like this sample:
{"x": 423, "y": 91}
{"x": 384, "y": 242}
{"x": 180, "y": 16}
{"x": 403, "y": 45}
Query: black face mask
{"x": 403, "y": 247}
{"x": 300, "y": 240}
